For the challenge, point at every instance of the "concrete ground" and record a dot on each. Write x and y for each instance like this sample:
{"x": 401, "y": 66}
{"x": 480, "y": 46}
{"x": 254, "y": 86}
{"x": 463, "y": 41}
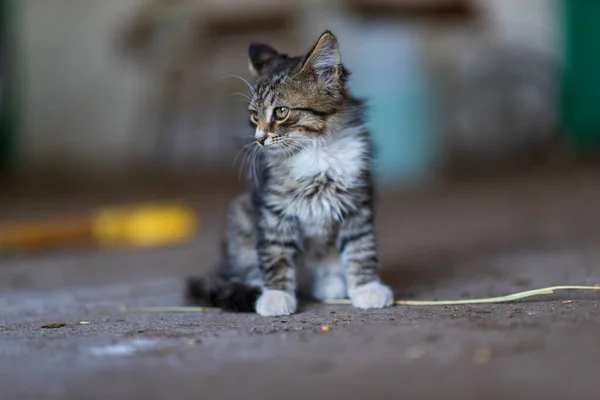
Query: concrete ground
{"x": 461, "y": 241}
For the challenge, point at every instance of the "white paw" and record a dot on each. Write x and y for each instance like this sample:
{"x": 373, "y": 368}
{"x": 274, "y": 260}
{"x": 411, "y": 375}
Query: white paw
{"x": 372, "y": 295}
{"x": 330, "y": 287}
{"x": 273, "y": 303}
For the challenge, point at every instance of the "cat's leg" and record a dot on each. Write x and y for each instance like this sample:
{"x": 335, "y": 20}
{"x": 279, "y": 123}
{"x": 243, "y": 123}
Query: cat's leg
{"x": 278, "y": 242}
{"x": 358, "y": 250}
{"x": 329, "y": 282}
{"x": 240, "y": 243}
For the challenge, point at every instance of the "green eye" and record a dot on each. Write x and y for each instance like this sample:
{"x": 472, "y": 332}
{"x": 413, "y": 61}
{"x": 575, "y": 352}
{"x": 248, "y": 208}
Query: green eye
{"x": 281, "y": 113}
{"x": 254, "y": 117}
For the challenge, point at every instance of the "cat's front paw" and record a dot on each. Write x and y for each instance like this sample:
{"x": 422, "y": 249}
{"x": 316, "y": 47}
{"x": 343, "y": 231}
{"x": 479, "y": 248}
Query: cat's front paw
{"x": 273, "y": 303}
{"x": 372, "y": 295}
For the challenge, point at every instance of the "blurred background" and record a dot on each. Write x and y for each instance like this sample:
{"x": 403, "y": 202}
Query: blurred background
{"x": 482, "y": 111}
{"x": 129, "y": 86}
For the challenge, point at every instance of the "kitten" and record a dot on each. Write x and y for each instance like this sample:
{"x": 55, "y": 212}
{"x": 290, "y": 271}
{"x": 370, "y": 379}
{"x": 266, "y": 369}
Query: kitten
{"x": 311, "y": 205}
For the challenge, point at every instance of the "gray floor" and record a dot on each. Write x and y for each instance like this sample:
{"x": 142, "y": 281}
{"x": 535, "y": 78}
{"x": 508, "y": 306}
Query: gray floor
{"x": 468, "y": 240}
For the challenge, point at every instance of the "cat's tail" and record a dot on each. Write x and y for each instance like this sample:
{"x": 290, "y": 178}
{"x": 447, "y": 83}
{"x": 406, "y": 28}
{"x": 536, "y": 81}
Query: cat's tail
{"x": 230, "y": 295}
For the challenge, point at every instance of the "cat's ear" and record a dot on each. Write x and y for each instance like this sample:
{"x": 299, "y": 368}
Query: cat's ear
{"x": 324, "y": 59}
{"x": 260, "y": 57}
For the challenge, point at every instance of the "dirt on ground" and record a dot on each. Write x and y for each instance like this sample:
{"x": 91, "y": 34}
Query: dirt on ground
{"x": 67, "y": 330}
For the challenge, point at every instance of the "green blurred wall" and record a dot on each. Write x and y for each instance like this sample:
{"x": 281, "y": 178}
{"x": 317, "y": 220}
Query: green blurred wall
{"x": 7, "y": 110}
{"x": 581, "y": 85}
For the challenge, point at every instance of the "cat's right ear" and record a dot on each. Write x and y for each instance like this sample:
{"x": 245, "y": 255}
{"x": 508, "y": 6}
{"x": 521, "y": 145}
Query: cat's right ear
{"x": 260, "y": 57}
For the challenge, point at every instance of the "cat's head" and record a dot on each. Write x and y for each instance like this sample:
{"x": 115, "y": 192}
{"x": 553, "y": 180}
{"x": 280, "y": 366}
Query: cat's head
{"x": 294, "y": 98}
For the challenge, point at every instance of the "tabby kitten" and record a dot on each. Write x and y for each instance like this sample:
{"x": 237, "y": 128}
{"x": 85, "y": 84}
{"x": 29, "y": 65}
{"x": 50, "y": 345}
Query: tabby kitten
{"x": 311, "y": 202}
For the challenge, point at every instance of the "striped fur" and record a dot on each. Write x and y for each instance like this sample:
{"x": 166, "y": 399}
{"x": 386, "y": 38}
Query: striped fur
{"x": 311, "y": 203}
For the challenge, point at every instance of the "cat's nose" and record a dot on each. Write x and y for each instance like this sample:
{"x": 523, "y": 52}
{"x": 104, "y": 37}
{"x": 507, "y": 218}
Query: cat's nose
{"x": 260, "y": 137}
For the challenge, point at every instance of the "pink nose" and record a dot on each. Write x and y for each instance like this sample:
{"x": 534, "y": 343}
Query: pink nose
{"x": 261, "y": 140}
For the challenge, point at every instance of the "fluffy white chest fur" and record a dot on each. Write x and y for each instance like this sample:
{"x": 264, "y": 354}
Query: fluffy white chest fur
{"x": 322, "y": 175}
{"x": 342, "y": 159}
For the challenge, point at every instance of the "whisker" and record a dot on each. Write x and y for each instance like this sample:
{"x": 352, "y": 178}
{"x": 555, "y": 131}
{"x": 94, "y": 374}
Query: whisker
{"x": 292, "y": 148}
{"x": 303, "y": 146}
{"x": 304, "y": 143}
{"x": 244, "y": 101}
{"x": 300, "y": 140}
{"x": 242, "y": 79}
{"x": 296, "y": 146}
{"x": 240, "y": 151}
{"x": 244, "y": 96}
{"x": 254, "y": 172}
{"x": 247, "y": 158}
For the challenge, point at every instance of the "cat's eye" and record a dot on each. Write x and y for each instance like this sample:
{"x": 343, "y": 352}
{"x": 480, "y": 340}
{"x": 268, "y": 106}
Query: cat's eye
{"x": 254, "y": 117}
{"x": 281, "y": 113}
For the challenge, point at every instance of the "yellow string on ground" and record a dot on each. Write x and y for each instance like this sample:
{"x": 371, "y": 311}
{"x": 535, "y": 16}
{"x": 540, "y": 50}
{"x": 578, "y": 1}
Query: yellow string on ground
{"x": 487, "y": 300}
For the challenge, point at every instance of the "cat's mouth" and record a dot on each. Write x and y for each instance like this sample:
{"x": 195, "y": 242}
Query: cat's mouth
{"x": 288, "y": 143}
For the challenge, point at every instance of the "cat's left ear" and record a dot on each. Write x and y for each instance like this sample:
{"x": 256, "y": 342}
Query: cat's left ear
{"x": 260, "y": 57}
{"x": 324, "y": 59}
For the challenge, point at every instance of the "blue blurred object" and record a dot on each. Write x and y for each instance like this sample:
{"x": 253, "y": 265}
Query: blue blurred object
{"x": 388, "y": 70}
